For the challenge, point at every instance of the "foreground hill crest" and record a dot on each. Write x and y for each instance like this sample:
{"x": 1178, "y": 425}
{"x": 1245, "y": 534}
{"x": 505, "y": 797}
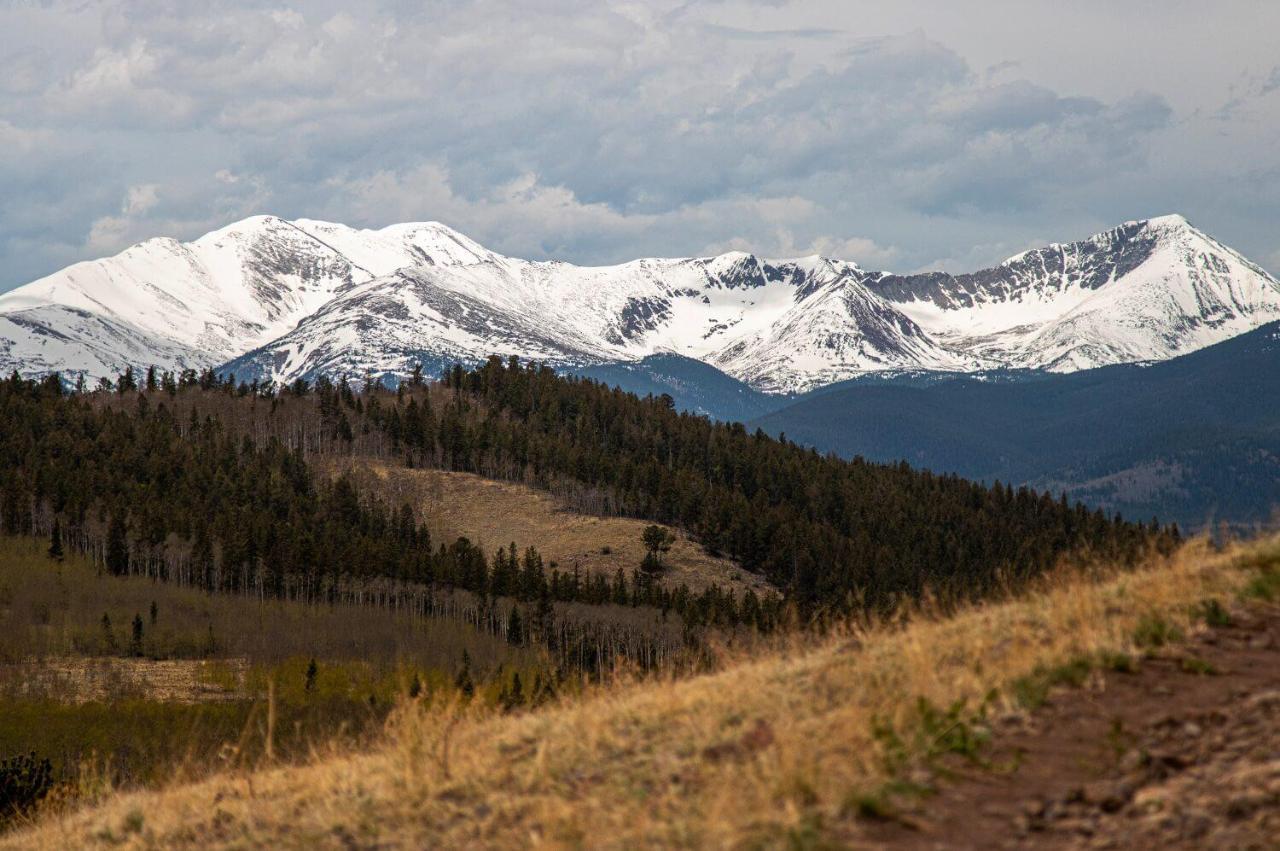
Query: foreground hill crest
{"x": 276, "y": 299}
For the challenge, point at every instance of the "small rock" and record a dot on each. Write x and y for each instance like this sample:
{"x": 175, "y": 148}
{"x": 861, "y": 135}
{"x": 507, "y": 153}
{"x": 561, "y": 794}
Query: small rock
{"x": 1079, "y": 824}
{"x": 1263, "y": 700}
{"x": 1132, "y": 761}
{"x": 1033, "y": 808}
{"x": 1107, "y": 795}
{"x": 1149, "y": 800}
{"x": 1164, "y": 764}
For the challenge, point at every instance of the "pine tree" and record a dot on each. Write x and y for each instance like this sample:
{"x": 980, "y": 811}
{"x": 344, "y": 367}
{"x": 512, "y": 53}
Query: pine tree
{"x": 135, "y": 641}
{"x": 108, "y": 634}
{"x": 126, "y": 382}
{"x": 657, "y": 540}
{"x": 117, "y": 546}
{"x": 55, "y": 541}
{"x": 463, "y": 682}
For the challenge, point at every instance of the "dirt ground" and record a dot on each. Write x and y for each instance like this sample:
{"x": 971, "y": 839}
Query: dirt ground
{"x": 1182, "y": 753}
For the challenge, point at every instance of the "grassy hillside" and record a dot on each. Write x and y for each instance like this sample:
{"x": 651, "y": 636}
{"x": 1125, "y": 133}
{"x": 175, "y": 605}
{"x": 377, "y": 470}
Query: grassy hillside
{"x": 129, "y": 680}
{"x": 228, "y": 506}
{"x": 50, "y": 609}
{"x": 804, "y": 746}
{"x": 493, "y": 513}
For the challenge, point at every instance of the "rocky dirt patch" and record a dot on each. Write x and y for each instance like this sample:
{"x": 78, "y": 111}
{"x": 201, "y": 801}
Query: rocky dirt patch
{"x": 1183, "y": 752}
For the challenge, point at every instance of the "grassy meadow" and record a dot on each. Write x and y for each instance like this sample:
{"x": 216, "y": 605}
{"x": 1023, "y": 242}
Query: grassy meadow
{"x": 492, "y": 513}
{"x": 123, "y": 681}
{"x": 51, "y": 609}
{"x": 791, "y": 747}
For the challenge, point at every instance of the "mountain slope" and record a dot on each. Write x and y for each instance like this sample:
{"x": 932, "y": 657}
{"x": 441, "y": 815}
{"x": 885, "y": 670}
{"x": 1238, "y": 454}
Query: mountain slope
{"x": 279, "y": 300}
{"x": 1146, "y": 290}
{"x": 47, "y": 338}
{"x": 1193, "y": 439}
{"x": 691, "y": 384}
{"x": 840, "y": 329}
{"x": 200, "y": 303}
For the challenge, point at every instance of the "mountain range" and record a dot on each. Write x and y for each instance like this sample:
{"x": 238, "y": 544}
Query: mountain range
{"x": 273, "y": 299}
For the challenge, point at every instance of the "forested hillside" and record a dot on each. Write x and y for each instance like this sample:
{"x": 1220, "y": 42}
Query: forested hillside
{"x": 207, "y": 484}
{"x": 822, "y": 528}
{"x": 204, "y": 481}
{"x": 1195, "y": 439}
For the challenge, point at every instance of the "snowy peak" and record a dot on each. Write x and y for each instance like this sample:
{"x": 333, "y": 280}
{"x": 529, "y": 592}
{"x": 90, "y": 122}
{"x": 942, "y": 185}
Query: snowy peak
{"x": 232, "y": 290}
{"x": 279, "y": 299}
{"x": 836, "y": 329}
{"x": 1145, "y": 290}
{"x": 735, "y": 270}
{"x": 382, "y": 252}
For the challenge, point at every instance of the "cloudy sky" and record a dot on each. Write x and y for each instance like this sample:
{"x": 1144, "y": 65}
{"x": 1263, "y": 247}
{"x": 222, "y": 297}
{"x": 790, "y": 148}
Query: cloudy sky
{"x": 910, "y": 135}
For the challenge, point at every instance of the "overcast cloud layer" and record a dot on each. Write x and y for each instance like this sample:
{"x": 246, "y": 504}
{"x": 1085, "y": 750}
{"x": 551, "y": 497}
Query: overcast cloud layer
{"x": 925, "y": 136}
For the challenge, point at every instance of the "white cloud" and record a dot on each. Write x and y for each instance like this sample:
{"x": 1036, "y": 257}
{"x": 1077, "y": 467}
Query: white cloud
{"x": 140, "y": 199}
{"x": 108, "y": 234}
{"x": 603, "y": 131}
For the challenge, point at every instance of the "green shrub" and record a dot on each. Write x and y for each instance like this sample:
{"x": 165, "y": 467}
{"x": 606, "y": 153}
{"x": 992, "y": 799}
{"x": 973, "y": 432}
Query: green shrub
{"x": 1032, "y": 691}
{"x": 1154, "y": 631}
{"x": 1264, "y": 586}
{"x": 1194, "y": 665}
{"x": 24, "y": 782}
{"x": 1213, "y": 613}
{"x": 1120, "y": 662}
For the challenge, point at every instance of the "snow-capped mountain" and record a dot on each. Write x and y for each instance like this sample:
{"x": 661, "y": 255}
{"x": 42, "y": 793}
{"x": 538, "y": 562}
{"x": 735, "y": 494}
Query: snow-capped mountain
{"x": 838, "y": 328}
{"x": 778, "y": 324}
{"x": 277, "y": 300}
{"x": 1148, "y": 290}
{"x": 201, "y": 303}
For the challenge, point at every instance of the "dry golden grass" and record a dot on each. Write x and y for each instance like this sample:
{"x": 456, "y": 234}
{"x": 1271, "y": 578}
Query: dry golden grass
{"x": 51, "y": 610}
{"x": 766, "y": 752}
{"x": 492, "y": 514}
{"x": 89, "y": 679}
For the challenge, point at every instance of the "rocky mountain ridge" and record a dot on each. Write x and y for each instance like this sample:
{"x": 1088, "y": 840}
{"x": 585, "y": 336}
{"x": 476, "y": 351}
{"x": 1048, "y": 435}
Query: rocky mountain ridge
{"x": 277, "y": 300}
